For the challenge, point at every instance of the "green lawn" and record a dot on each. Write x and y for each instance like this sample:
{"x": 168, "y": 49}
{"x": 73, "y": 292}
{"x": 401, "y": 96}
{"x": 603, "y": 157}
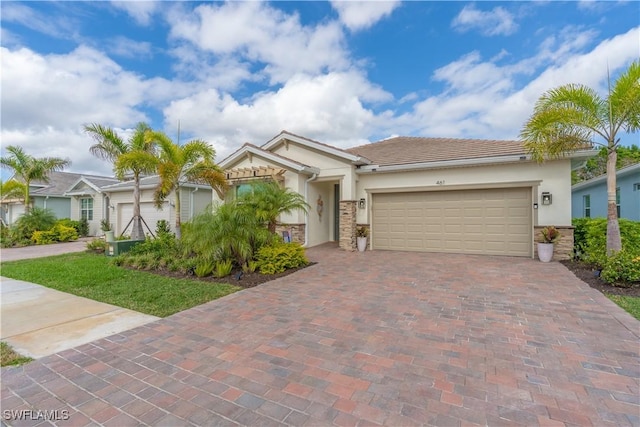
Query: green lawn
{"x": 92, "y": 276}
{"x": 630, "y": 304}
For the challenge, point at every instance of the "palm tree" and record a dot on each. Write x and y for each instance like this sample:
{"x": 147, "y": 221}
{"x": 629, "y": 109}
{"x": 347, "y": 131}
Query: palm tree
{"x": 268, "y": 200}
{"x": 136, "y": 156}
{"x": 27, "y": 169}
{"x": 566, "y": 119}
{"x": 178, "y": 164}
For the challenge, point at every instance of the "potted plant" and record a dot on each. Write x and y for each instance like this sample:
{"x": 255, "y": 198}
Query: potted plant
{"x": 361, "y": 238}
{"x": 545, "y": 248}
{"x": 105, "y": 226}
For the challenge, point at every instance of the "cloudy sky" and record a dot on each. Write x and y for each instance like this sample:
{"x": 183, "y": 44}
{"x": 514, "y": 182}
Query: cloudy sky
{"x": 341, "y": 72}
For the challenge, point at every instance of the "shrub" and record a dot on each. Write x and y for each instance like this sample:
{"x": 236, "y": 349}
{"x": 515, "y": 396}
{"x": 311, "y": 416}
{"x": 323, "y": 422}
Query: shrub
{"x": 58, "y": 233}
{"x": 37, "y": 219}
{"x": 230, "y": 231}
{"x": 203, "y": 269}
{"x": 97, "y": 246}
{"x": 621, "y": 269}
{"x": 279, "y": 257}
{"x": 42, "y": 237}
{"x": 223, "y": 268}
{"x": 70, "y": 223}
{"x": 83, "y": 227}
{"x": 163, "y": 229}
{"x": 590, "y": 239}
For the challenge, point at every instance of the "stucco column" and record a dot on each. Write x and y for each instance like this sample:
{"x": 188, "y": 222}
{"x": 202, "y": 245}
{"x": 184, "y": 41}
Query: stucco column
{"x": 348, "y": 225}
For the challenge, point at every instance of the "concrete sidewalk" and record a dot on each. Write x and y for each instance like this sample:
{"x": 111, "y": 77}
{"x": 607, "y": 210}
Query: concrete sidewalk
{"x": 39, "y": 251}
{"x": 38, "y": 321}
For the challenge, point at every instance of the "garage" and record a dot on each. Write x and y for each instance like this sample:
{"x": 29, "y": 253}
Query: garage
{"x": 494, "y": 221}
{"x": 148, "y": 212}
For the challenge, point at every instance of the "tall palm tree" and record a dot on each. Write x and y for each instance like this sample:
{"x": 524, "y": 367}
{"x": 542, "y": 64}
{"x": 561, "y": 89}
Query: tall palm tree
{"x": 136, "y": 156}
{"x": 568, "y": 117}
{"x": 268, "y": 200}
{"x": 27, "y": 168}
{"x": 178, "y": 164}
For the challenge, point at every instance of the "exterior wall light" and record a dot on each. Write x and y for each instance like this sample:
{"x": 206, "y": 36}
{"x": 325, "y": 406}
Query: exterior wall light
{"x": 362, "y": 203}
{"x": 546, "y": 198}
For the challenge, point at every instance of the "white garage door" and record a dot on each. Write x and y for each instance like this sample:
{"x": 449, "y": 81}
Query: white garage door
{"x": 485, "y": 221}
{"x": 149, "y": 213}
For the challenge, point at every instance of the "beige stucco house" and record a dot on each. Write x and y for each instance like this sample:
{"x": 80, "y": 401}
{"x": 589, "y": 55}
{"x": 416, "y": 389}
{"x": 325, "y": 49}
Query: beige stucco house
{"x": 416, "y": 194}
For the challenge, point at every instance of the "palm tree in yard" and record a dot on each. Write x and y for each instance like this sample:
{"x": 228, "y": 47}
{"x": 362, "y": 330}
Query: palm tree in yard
{"x": 178, "y": 164}
{"x": 268, "y": 200}
{"x": 567, "y": 118}
{"x": 135, "y": 156}
{"x": 26, "y": 169}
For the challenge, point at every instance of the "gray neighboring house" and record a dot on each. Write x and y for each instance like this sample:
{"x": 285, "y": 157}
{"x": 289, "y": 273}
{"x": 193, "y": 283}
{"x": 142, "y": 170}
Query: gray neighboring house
{"x": 589, "y": 198}
{"x": 49, "y": 195}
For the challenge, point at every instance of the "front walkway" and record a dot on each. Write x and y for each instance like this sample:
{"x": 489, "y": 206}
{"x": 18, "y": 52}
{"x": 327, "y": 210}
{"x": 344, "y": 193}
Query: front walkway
{"x": 360, "y": 339}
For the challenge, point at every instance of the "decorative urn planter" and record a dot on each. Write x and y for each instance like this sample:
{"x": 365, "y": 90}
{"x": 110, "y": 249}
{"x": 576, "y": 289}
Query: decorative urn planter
{"x": 362, "y": 243}
{"x": 545, "y": 251}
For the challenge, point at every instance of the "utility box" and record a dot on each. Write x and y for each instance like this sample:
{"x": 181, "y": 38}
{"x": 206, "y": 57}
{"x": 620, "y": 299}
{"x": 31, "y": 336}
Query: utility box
{"x": 118, "y": 247}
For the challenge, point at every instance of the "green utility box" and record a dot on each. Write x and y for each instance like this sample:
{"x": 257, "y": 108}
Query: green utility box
{"x": 118, "y": 247}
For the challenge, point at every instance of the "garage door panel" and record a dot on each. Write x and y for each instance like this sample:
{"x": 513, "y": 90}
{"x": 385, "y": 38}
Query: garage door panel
{"x": 491, "y": 221}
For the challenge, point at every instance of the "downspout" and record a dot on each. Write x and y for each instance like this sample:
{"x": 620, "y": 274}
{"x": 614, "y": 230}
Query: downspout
{"x": 306, "y": 199}
{"x": 45, "y": 202}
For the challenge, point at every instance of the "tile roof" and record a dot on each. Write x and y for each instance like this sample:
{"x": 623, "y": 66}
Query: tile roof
{"x": 406, "y": 150}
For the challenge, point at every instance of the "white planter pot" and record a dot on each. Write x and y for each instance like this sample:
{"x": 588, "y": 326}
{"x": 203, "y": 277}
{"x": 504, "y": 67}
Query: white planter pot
{"x": 362, "y": 243}
{"x": 109, "y": 236}
{"x": 545, "y": 251}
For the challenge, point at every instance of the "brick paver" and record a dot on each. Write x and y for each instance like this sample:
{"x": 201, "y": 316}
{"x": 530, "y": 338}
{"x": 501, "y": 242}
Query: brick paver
{"x": 374, "y": 338}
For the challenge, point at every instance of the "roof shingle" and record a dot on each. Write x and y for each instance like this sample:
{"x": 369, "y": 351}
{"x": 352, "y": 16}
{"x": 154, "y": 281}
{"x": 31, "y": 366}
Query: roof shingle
{"x": 406, "y": 150}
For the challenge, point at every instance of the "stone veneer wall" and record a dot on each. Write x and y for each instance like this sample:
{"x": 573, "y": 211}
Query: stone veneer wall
{"x": 563, "y": 247}
{"x": 348, "y": 225}
{"x": 296, "y": 231}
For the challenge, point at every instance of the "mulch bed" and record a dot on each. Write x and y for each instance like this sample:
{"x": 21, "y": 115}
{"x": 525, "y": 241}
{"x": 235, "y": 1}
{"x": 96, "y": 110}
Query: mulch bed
{"x": 237, "y": 277}
{"x": 588, "y": 275}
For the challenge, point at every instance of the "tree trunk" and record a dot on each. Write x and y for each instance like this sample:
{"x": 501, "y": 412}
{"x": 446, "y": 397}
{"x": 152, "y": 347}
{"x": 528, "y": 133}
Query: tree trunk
{"x": 614, "y": 243}
{"x": 137, "y": 232}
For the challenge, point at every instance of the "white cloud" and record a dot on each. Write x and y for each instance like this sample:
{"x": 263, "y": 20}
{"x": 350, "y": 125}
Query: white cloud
{"x": 490, "y": 23}
{"x": 63, "y": 26}
{"x": 127, "y": 48}
{"x": 360, "y": 15}
{"x": 140, "y": 11}
{"x": 272, "y": 40}
{"x": 328, "y": 107}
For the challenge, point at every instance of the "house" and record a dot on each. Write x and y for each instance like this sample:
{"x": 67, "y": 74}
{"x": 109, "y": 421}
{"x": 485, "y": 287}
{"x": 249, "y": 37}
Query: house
{"x": 98, "y": 198}
{"x": 50, "y": 195}
{"x": 589, "y": 198}
{"x": 416, "y": 194}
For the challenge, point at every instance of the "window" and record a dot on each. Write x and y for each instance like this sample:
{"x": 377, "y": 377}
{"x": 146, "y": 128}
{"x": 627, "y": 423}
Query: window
{"x": 636, "y": 186}
{"x": 586, "y": 205}
{"x": 242, "y": 189}
{"x": 86, "y": 209}
{"x": 618, "y": 201}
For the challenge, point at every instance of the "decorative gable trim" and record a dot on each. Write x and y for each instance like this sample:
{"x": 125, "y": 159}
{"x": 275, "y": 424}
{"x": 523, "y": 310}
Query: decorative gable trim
{"x": 249, "y": 150}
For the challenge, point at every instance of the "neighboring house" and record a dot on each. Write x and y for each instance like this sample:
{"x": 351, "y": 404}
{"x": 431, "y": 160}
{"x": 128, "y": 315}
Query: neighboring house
{"x": 417, "y": 194}
{"x": 50, "y": 195}
{"x": 77, "y": 196}
{"x": 589, "y": 198}
{"x": 194, "y": 198}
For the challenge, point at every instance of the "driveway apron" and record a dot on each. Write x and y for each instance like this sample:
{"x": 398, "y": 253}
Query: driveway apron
{"x": 373, "y": 338}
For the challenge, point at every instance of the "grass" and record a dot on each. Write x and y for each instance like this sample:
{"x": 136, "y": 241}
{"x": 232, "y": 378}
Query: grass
{"x": 93, "y": 276}
{"x": 629, "y": 304}
{"x": 8, "y": 356}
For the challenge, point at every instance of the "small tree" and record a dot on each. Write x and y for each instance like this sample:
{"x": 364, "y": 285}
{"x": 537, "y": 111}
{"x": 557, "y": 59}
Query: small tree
{"x": 178, "y": 164}
{"x": 268, "y": 200}
{"x": 135, "y": 156}
{"x": 567, "y": 118}
{"x": 27, "y": 169}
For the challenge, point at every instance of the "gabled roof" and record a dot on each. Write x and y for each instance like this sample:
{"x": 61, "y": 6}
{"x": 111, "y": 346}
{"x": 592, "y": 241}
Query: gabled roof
{"x": 91, "y": 181}
{"x": 285, "y": 136}
{"x": 60, "y": 182}
{"x": 250, "y": 149}
{"x": 627, "y": 170}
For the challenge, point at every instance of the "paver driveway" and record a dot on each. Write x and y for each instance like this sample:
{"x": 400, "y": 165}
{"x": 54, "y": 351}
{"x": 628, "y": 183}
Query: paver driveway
{"x": 361, "y": 339}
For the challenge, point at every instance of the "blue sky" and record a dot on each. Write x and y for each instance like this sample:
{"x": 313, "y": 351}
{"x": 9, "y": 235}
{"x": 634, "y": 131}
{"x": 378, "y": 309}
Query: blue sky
{"x": 341, "y": 72}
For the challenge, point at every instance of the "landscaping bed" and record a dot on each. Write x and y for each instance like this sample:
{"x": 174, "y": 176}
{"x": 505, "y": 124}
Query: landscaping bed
{"x": 588, "y": 275}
